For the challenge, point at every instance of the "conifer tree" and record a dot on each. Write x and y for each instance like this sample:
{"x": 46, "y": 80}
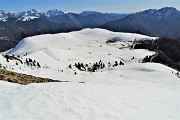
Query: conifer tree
{"x": 38, "y": 65}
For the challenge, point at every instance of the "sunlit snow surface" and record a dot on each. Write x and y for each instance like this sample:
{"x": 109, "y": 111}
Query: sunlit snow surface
{"x": 135, "y": 91}
{"x": 27, "y": 18}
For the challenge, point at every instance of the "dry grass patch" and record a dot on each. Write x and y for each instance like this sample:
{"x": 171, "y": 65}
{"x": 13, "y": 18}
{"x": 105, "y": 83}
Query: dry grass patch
{"x": 23, "y": 79}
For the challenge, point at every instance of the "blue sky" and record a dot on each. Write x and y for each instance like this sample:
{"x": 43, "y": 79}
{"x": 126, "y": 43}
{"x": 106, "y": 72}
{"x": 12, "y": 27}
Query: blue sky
{"x": 117, "y": 6}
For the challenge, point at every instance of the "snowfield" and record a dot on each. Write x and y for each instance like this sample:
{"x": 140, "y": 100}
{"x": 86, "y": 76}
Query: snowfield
{"x": 27, "y": 18}
{"x": 134, "y": 91}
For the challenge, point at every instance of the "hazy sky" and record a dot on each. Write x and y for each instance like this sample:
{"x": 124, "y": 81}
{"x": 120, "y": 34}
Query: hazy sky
{"x": 118, "y": 6}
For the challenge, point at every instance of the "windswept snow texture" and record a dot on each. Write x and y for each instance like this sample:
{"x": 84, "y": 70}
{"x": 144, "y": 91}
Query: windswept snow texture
{"x": 135, "y": 91}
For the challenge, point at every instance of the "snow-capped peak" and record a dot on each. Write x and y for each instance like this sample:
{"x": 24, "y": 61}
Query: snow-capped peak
{"x": 3, "y": 15}
{"x": 28, "y": 15}
{"x": 54, "y": 12}
{"x": 67, "y": 12}
{"x": 31, "y": 14}
{"x": 32, "y": 11}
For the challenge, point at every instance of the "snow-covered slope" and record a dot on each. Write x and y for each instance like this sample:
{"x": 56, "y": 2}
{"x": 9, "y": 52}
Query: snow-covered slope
{"x": 28, "y": 18}
{"x": 134, "y": 91}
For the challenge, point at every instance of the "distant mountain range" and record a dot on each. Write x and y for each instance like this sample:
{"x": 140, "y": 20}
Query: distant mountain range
{"x": 81, "y": 20}
{"x": 164, "y": 22}
{"x": 15, "y": 26}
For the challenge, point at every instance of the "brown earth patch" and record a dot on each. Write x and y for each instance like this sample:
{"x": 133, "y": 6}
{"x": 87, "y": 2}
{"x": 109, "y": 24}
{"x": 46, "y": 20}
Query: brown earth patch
{"x": 23, "y": 79}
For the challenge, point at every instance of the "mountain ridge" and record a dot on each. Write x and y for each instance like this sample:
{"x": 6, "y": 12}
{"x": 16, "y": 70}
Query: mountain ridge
{"x": 162, "y": 22}
{"x": 49, "y": 13}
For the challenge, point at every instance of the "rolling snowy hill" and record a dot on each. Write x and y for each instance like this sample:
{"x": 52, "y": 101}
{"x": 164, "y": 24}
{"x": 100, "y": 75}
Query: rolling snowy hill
{"x": 133, "y": 91}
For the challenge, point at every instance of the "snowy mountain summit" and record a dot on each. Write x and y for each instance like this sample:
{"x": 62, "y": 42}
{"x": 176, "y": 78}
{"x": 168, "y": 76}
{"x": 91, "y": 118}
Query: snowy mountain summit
{"x": 54, "y": 12}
